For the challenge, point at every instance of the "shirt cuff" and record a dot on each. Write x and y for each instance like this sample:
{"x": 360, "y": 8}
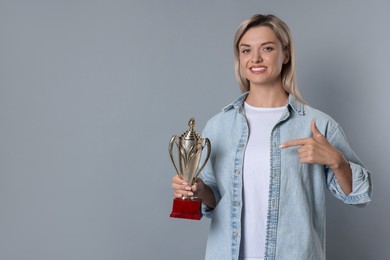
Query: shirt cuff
{"x": 361, "y": 187}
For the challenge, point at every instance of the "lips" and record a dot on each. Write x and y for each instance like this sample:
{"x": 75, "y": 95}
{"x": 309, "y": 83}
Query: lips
{"x": 258, "y": 69}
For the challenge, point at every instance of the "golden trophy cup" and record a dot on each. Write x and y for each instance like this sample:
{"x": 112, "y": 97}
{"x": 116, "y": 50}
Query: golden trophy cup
{"x": 190, "y": 146}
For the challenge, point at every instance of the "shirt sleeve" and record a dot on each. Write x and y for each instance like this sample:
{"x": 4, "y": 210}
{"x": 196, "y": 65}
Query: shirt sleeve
{"x": 361, "y": 177}
{"x": 208, "y": 177}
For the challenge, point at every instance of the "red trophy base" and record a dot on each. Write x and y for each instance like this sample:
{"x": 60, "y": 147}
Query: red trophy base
{"x": 188, "y": 209}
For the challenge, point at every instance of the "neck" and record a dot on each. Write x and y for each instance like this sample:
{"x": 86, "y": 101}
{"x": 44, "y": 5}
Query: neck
{"x": 261, "y": 96}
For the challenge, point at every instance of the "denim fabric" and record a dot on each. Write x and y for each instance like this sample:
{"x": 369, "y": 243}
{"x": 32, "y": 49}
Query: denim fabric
{"x": 296, "y": 207}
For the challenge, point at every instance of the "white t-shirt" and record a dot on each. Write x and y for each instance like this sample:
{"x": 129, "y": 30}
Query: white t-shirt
{"x": 256, "y": 178}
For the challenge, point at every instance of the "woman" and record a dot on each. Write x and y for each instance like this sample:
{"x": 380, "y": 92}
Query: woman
{"x": 272, "y": 158}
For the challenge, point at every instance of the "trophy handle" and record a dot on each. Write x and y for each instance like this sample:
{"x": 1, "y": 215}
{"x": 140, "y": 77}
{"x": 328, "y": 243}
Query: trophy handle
{"x": 170, "y": 149}
{"x": 207, "y": 143}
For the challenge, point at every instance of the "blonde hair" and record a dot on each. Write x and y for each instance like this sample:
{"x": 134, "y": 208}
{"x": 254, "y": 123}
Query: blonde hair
{"x": 284, "y": 35}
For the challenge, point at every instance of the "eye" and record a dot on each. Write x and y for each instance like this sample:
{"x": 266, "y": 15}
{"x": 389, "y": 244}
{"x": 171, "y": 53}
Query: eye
{"x": 268, "y": 49}
{"x": 245, "y": 51}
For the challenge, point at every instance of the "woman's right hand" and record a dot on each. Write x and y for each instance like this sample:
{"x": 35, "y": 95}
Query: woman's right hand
{"x": 199, "y": 189}
{"x": 182, "y": 188}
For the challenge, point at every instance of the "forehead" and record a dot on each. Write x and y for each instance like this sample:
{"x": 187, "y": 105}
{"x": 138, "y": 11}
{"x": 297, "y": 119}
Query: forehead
{"x": 259, "y": 34}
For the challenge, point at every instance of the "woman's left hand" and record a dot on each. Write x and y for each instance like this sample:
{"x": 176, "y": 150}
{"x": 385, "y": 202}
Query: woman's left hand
{"x": 316, "y": 149}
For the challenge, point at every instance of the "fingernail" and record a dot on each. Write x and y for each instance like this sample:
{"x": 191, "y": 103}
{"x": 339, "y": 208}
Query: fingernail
{"x": 190, "y": 193}
{"x": 185, "y": 183}
{"x": 188, "y": 188}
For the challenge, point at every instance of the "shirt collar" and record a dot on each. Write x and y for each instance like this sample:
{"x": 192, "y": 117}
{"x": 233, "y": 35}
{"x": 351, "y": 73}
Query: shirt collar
{"x": 237, "y": 103}
{"x": 296, "y": 105}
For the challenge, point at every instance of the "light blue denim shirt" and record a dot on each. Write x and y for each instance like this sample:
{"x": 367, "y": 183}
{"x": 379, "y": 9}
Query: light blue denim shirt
{"x": 296, "y": 207}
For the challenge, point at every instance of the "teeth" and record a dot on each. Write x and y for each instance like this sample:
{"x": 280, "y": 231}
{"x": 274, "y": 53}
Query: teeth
{"x": 257, "y": 69}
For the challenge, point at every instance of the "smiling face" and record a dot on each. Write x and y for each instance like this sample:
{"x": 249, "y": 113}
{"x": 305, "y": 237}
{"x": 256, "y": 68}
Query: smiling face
{"x": 261, "y": 57}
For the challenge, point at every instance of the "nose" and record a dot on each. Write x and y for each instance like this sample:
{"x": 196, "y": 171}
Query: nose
{"x": 256, "y": 57}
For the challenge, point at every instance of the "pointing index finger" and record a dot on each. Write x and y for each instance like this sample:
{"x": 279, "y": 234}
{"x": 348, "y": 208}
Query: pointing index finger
{"x": 296, "y": 142}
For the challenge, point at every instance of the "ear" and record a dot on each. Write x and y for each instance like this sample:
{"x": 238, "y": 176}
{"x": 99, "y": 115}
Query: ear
{"x": 286, "y": 56}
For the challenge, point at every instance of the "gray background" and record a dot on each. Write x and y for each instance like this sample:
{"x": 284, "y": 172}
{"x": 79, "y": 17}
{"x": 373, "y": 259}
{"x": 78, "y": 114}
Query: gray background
{"x": 91, "y": 92}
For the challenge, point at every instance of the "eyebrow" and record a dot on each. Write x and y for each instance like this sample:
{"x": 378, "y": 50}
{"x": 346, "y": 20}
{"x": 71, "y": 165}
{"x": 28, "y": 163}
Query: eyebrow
{"x": 264, "y": 43}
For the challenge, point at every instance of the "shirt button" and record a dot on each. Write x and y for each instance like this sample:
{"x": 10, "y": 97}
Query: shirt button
{"x": 237, "y": 172}
{"x": 237, "y": 203}
{"x": 235, "y": 234}
{"x": 242, "y": 145}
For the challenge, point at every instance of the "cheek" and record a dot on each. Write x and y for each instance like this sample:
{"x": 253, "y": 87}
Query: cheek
{"x": 281, "y": 59}
{"x": 277, "y": 62}
{"x": 243, "y": 61}
{"x": 243, "y": 66}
